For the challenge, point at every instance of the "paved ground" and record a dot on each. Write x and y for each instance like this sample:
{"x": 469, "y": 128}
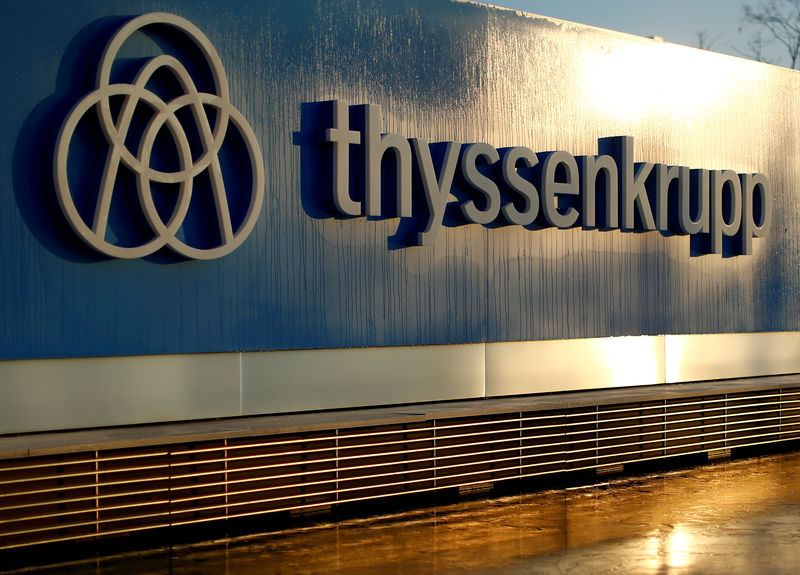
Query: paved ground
{"x": 730, "y": 517}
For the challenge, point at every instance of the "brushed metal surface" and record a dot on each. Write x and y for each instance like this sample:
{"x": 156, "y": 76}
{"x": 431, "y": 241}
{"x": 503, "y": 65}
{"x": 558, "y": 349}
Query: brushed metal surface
{"x": 440, "y": 71}
{"x": 557, "y": 309}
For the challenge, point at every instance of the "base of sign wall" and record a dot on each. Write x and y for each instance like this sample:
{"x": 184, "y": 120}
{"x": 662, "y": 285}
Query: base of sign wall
{"x": 515, "y": 368}
{"x": 285, "y": 381}
{"x": 52, "y": 394}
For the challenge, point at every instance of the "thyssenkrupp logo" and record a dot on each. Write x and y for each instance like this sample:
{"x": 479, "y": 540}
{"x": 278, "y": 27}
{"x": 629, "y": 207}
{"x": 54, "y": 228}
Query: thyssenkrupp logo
{"x": 195, "y": 150}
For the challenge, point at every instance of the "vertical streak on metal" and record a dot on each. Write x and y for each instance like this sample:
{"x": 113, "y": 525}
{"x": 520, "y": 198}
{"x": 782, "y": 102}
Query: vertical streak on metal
{"x": 303, "y": 467}
{"x": 226, "y": 488}
{"x": 566, "y": 439}
{"x": 519, "y": 426}
{"x": 170, "y": 503}
{"x": 337, "y": 465}
{"x": 435, "y": 462}
{"x": 96, "y": 491}
{"x": 227, "y": 557}
{"x": 664, "y": 427}
{"x": 725, "y": 427}
{"x": 597, "y": 435}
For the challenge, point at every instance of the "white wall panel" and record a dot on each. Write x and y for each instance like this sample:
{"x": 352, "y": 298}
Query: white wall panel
{"x": 51, "y": 394}
{"x": 729, "y": 355}
{"x": 563, "y": 365}
{"x": 325, "y": 379}
{"x": 54, "y": 394}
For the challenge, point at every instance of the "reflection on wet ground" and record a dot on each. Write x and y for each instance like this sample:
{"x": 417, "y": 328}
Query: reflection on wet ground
{"x": 730, "y": 517}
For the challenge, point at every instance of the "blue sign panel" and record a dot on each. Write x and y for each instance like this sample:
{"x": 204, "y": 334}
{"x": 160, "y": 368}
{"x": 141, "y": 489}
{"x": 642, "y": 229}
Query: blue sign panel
{"x": 295, "y": 175}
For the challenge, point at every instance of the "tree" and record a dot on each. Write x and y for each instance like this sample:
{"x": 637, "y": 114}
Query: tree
{"x": 703, "y": 40}
{"x": 776, "y": 19}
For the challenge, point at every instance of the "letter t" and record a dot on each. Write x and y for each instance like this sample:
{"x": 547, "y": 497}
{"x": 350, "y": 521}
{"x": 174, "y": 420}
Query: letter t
{"x": 341, "y": 137}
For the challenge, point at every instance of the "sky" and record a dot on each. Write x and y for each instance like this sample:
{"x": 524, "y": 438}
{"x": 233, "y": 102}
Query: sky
{"x": 676, "y": 21}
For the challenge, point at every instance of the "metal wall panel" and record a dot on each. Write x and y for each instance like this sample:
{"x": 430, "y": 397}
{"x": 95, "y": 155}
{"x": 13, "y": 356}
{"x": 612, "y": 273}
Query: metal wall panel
{"x": 306, "y": 279}
{"x": 92, "y": 392}
{"x": 514, "y": 368}
{"x": 728, "y": 355}
{"x": 283, "y": 381}
{"x": 441, "y": 71}
{"x": 50, "y": 394}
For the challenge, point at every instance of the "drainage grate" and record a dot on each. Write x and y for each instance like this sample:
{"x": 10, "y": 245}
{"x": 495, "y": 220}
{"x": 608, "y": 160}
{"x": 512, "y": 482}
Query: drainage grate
{"x": 114, "y": 492}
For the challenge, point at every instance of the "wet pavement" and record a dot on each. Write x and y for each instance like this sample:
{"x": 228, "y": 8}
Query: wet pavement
{"x": 730, "y": 517}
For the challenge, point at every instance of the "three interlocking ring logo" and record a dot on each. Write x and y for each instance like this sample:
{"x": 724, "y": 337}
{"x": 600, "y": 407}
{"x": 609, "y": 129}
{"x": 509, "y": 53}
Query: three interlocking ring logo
{"x": 115, "y": 122}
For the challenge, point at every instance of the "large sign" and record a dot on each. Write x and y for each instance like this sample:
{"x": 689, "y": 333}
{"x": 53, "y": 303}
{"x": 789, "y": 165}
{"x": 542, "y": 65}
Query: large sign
{"x": 515, "y": 186}
{"x": 286, "y": 175}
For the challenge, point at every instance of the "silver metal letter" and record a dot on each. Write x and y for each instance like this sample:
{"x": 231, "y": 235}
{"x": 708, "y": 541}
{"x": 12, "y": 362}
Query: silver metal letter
{"x": 590, "y": 168}
{"x": 720, "y": 227}
{"x": 480, "y": 183}
{"x": 375, "y": 147}
{"x": 436, "y": 190}
{"x": 341, "y": 137}
{"x": 751, "y": 184}
{"x": 520, "y": 185}
{"x": 550, "y": 188}
{"x": 697, "y": 193}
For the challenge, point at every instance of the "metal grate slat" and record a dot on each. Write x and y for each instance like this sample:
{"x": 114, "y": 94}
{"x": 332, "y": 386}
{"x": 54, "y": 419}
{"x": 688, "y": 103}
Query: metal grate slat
{"x": 79, "y": 496}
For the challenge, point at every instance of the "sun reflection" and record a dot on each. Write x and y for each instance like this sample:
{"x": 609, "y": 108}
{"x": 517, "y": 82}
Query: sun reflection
{"x": 652, "y": 546}
{"x": 632, "y": 360}
{"x": 679, "y": 547}
{"x": 669, "y": 549}
{"x": 629, "y": 81}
